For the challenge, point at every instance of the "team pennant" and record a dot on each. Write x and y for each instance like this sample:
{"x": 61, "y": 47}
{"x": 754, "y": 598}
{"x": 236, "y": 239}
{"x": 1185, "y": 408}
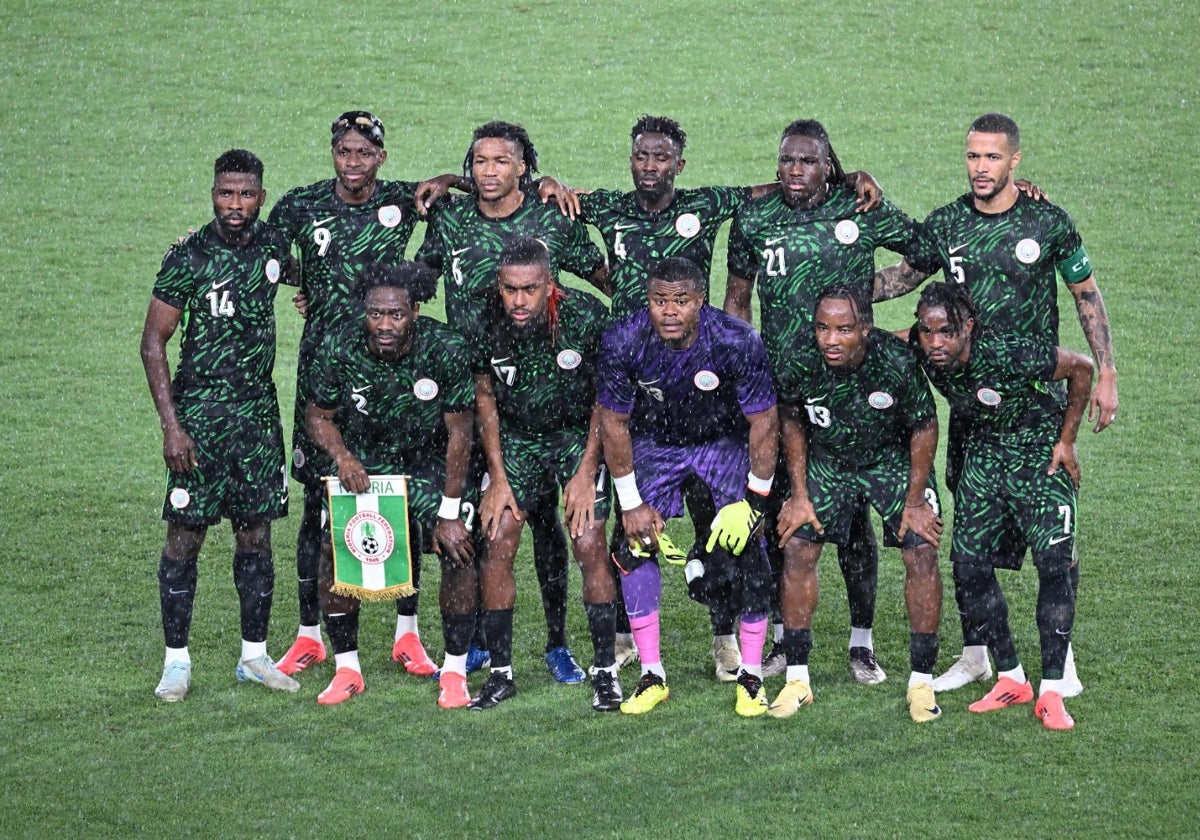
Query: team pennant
{"x": 372, "y": 559}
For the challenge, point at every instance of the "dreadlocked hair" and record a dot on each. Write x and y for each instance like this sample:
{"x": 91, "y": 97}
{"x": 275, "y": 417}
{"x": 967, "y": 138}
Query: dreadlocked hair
{"x": 416, "y": 278}
{"x": 514, "y": 134}
{"x": 815, "y": 131}
{"x": 853, "y": 293}
{"x": 665, "y": 126}
{"x": 952, "y": 297}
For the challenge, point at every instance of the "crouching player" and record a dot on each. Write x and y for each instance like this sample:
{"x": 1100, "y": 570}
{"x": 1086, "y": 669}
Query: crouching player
{"x": 1019, "y": 477}
{"x": 394, "y": 396}
{"x": 859, "y": 426}
{"x": 535, "y": 387}
{"x": 685, "y": 393}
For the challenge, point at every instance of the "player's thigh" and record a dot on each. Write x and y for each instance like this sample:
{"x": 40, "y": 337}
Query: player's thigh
{"x": 982, "y": 517}
{"x": 565, "y": 455}
{"x": 258, "y": 473}
{"x": 661, "y": 472}
{"x": 724, "y": 465}
{"x": 887, "y": 488}
{"x": 1045, "y": 507}
{"x": 836, "y": 497}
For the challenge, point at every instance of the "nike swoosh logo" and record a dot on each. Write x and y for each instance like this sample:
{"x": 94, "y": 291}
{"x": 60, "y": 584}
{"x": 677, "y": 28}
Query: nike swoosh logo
{"x": 496, "y": 361}
{"x": 814, "y": 400}
{"x": 775, "y": 240}
{"x": 624, "y": 227}
{"x": 459, "y": 251}
{"x": 177, "y": 591}
{"x": 320, "y": 222}
{"x": 224, "y": 282}
{"x": 360, "y": 390}
{"x": 957, "y": 248}
{"x": 644, "y": 384}
{"x": 1057, "y": 540}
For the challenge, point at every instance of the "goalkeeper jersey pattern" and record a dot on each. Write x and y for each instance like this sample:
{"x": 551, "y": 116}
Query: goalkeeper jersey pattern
{"x": 390, "y": 413}
{"x": 637, "y": 240}
{"x": 227, "y": 295}
{"x": 861, "y": 417}
{"x": 685, "y": 397}
{"x": 793, "y": 254}
{"x": 465, "y": 246}
{"x": 543, "y": 383}
{"x": 1007, "y": 260}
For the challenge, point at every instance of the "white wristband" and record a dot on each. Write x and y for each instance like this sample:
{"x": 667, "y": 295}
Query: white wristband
{"x": 449, "y": 508}
{"x": 627, "y": 492}
{"x": 762, "y": 486}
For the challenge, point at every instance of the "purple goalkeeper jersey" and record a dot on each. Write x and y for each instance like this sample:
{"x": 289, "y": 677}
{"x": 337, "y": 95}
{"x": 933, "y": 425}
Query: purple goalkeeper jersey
{"x": 685, "y": 397}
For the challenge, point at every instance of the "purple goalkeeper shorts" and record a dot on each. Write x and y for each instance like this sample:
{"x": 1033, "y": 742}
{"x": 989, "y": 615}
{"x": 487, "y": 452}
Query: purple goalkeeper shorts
{"x": 662, "y": 470}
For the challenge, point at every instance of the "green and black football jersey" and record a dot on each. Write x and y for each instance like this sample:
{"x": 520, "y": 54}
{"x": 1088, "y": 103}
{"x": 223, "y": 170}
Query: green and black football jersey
{"x": 543, "y": 383}
{"x": 638, "y": 239}
{"x": 1004, "y": 389}
{"x": 1007, "y": 260}
{"x": 227, "y": 295}
{"x": 793, "y": 254}
{"x": 390, "y": 413}
{"x": 336, "y": 240}
{"x": 864, "y": 416}
{"x": 465, "y": 246}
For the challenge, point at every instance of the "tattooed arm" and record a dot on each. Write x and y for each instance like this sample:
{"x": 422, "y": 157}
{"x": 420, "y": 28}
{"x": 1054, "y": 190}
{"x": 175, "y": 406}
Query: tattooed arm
{"x": 897, "y": 280}
{"x": 1094, "y": 319}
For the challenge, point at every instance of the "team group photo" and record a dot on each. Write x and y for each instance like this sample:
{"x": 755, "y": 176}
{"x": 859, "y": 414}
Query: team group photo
{"x": 545, "y": 436}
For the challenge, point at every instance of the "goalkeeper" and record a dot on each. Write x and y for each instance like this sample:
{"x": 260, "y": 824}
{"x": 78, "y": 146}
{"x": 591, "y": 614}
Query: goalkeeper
{"x": 685, "y": 393}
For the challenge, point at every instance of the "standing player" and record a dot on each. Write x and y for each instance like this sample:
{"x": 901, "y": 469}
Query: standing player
{"x": 1005, "y": 248}
{"x": 656, "y": 221}
{"x": 535, "y": 386}
{"x": 341, "y": 225}
{"x": 464, "y": 240}
{"x": 1020, "y": 475}
{"x": 388, "y": 397}
{"x": 685, "y": 393}
{"x": 858, "y": 426}
{"x": 222, "y": 440}
{"x": 792, "y": 244}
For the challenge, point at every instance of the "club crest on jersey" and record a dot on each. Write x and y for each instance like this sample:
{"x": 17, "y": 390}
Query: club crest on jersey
{"x": 687, "y": 225}
{"x": 425, "y": 389}
{"x": 369, "y": 537}
{"x": 880, "y": 400}
{"x": 1028, "y": 251}
{"x": 569, "y": 359}
{"x": 988, "y": 397}
{"x": 846, "y": 232}
{"x": 706, "y": 380}
{"x": 180, "y": 498}
{"x": 298, "y": 458}
{"x": 389, "y": 216}
{"x": 273, "y": 270}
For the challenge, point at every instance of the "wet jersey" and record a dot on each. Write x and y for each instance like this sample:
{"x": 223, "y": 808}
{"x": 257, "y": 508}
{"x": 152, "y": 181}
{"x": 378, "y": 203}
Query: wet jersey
{"x": 864, "y": 416}
{"x": 1004, "y": 389}
{"x": 390, "y": 413}
{"x": 1007, "y": 260}
{"x": 638, "y": 239}
{"x": 227, "y": 295}
{"x": 465, "y": 246}
{"x": 542, "y": 383}
{"x": 685, "y": 397}
{"x": 793, "y": 254}
{"x": 337, "y": 240}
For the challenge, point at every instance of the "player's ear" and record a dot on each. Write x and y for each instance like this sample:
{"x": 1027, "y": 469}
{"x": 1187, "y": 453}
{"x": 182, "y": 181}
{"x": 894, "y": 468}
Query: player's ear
{"x": 382, "y": 156}
{"x": 679, "y": 166}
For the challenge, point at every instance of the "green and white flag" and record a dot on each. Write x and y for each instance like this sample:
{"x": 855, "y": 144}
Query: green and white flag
{"x": 372, "y": 559}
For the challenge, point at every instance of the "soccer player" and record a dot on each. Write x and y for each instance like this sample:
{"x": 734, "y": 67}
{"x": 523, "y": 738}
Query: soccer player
{"x": 658, "y": 220}
{"x": 464, "y": 240}
{"x": 222, "y": 439}
{"x": 535, "y": 387}
{"x": 685, "y": 392}
{"x": 392, "y": 395}
{"x": 858, "y": 424}
{"x": 1005, "y": 248}
{"x": 1020, "y": 475}
{"x": 340, "y": 225}
{"x": 791, "y": 244}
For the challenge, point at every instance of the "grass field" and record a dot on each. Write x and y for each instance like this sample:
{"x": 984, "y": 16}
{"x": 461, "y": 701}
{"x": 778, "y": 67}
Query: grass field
{"x": 113, "y": 113}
